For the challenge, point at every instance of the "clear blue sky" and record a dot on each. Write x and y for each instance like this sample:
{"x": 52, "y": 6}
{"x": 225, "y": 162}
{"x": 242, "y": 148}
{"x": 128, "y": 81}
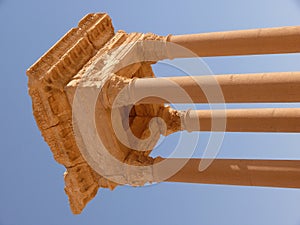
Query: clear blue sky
{"x": 31, "y": 190}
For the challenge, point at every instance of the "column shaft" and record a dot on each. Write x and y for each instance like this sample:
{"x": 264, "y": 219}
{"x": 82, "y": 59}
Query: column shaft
{"x": 236, "y": 88}
{"x": 242, "y": 42}
{"x": 244, "y": 120}
{"x": 268, "y": 173}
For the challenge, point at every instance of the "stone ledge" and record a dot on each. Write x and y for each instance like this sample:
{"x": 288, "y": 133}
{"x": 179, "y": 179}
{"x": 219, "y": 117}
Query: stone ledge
{"x": 53, "y": 79}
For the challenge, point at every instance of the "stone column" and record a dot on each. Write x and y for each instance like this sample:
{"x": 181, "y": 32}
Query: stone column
{"x": 73, "y": 87}
{"x": 236, "y": 88}
{"x": 244, "y": 120}
{"x": 268, "y": 173}
{"x": 242, "y": 42}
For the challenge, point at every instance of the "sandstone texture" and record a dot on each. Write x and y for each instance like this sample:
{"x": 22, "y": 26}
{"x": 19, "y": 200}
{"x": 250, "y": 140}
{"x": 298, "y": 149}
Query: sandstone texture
{"x": 53, "y": 79}
{"x": 94, "y": 59}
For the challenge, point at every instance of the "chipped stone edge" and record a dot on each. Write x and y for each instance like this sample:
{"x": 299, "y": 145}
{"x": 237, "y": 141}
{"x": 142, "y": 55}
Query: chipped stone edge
{"x": 51, "y": 108}
{"x": 65, "y": 63}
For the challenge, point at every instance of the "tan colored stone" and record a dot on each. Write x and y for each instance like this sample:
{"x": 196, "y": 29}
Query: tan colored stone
{"x": 52, "y": 111}
{"x": 80, "y": 60}
{"x": 66, "y": 62}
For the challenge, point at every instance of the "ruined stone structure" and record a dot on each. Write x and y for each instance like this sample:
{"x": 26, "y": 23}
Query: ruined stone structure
{"x": 80, "y": 61}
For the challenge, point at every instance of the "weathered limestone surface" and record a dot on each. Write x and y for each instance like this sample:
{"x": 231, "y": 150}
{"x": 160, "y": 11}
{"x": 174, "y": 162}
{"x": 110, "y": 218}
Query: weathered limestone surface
{"x": 81, "y": 59}
{"x": 66, "y": 62}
